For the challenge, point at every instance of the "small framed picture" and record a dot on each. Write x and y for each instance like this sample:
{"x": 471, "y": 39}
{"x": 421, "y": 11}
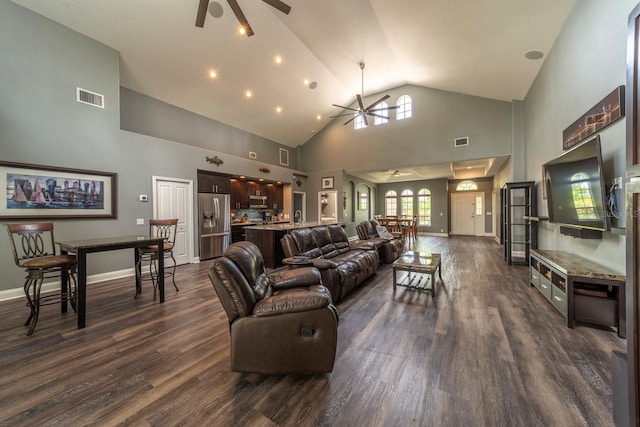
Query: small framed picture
{"x": 326, "y": 183}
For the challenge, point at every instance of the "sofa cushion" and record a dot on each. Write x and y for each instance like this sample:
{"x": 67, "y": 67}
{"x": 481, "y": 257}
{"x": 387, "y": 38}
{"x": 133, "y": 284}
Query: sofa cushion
{"x": 325, "y": 243}
{"x": 306, "y": 243}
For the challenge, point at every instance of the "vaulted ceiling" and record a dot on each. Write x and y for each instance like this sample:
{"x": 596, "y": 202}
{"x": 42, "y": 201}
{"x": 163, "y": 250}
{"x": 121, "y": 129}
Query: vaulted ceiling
{"x": 471, "y": 47}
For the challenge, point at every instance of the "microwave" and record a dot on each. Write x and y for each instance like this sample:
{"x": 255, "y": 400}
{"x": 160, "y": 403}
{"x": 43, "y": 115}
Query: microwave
{"x": 258, "y": 202}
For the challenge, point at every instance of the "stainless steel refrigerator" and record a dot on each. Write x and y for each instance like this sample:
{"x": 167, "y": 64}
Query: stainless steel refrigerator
{"x": 215, "y": 224}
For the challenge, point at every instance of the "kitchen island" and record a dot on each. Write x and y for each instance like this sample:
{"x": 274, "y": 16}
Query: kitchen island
{"x": 267, "y": 238}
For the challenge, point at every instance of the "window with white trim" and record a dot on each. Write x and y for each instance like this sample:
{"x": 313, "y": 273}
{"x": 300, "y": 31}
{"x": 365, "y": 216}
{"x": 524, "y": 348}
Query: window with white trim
{"x": 405, "y": 109}
{"x": 358, "y": 122}
{"x": 406, "y": 203}
{"x": 383, "y": 110}
{"x": 467, "y": 186}
{"x": 391, "y": 203}
{"x": 424, "y": 206}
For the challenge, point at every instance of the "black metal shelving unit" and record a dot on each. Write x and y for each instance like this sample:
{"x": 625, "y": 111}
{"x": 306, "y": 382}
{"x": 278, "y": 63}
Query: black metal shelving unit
{"x": 520, "y": 225}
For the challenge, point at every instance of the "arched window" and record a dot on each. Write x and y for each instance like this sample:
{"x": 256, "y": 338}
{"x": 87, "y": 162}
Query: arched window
{"x": 583, "y": 197}
{"x": 424, "y": 207}
{"x": 467, "y": 186}
{"x": 391, "y": 203}
{"x": 405, "y": 109}
{"x": 358, "y": 122}
{"x": 383, "y": 110}
{"x": 406, "y": 203}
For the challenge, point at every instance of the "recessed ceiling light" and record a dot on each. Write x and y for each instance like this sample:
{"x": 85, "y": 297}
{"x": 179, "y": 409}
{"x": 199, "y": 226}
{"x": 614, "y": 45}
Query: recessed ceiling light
{"x": 242, "y": 177}
{"x": 213, "y": 74}
{"x": 278, "y": 59}
{"x": 318, "y": 117}
{"x": 306, "y": 82}
{"x": 261, "y": 179}
{"x": 248, "y": 94}
{"x": 533, "y": 54}
{"x": 278, "y": 109}
{"x": 313, "y": 85}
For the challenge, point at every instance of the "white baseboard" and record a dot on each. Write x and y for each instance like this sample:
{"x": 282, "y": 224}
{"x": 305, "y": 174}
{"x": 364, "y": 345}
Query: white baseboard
{"x": 54, "y": 286}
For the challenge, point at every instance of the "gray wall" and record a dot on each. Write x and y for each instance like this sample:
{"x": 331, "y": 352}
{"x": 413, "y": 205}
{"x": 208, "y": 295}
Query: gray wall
{"x": 587, "y": 62}
{"x": 439, "y": 201}
{"x": 426, "y": 138}
{"x": 149, "y": 116}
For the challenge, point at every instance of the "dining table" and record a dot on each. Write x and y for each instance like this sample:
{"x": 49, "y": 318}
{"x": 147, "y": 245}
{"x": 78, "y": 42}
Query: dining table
{"x": 101, "y": 244}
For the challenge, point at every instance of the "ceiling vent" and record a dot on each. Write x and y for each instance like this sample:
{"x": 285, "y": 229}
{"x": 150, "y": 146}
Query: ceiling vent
{"x": 87, "y": 97}
{"x": 461, "y": 142}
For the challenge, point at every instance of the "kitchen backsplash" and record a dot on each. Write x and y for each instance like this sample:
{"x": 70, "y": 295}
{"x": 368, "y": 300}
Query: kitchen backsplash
{"x": 254, "y": 215}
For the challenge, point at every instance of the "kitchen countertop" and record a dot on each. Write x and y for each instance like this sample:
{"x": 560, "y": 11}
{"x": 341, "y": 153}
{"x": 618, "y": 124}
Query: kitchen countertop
{"x": 291, "y": 226}
{"x": 250, "y": 223}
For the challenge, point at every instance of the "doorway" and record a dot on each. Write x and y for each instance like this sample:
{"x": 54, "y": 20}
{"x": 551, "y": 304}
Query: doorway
{"x": 173, "y": 198}
{"x": 299, "y": 206}
{"x": 467, "y": 213}
{"x": 328, "y": 206}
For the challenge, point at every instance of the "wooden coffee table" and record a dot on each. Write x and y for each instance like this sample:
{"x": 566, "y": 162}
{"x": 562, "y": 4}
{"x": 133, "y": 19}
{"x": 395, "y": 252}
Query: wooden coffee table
{"x": 420, "y": 267}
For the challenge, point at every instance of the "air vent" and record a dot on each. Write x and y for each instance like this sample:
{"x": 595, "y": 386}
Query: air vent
{"x": 461, "y": 142}
{"x": 87, "y": 97}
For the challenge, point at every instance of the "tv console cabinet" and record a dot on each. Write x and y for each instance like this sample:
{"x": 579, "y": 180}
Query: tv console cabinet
{"x": 580, "y": 289}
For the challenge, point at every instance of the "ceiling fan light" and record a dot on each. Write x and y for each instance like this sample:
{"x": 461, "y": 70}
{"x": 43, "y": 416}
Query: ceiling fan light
{"x": 242, "y": 31}
{"x": 215, "y": 9}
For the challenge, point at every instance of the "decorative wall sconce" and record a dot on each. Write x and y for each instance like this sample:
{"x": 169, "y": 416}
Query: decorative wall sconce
{"x": 297, "y": 181}
{"x": 264, "y": 170}
{"x": 215, "y": 160}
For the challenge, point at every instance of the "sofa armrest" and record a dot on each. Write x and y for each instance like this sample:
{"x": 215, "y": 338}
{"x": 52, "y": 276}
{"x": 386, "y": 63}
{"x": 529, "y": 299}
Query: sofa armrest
{"x": 299, "y": 277}
{"x": 396, "y": 234}
{"x": 363, "y": 245}
{"x": 323, "y": 264}
{"x": 293, "y": 301}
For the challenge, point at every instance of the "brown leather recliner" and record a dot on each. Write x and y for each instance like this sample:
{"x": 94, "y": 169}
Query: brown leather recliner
{"x": 392, "y": 248}
{"x": 280, "y": 323}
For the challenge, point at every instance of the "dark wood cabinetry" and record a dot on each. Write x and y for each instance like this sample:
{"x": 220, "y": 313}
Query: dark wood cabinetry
{"x": 268, "y": 241}
{"x": 580, "y": 289}
{"x": 242, "y": 189}
{"x": 209, "y": 182}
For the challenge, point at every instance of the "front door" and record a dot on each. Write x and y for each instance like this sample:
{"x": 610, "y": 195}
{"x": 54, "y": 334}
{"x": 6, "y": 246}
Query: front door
{"x": 463, "y": 214}
{"x": 173, "y": 199}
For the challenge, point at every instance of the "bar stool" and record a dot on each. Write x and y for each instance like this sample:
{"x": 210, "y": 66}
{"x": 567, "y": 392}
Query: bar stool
{"x": 166, "y": 229}
{"x": 34, "y": 251}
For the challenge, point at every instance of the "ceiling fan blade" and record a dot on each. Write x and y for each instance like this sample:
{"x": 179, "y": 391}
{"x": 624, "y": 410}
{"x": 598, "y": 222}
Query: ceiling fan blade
{"x": 346, "y": 108}
{"x": 341, "y": 115}
{"x": 282, "y": 7}
{"x": 240, "y": 16}
{"x": 359, "y": 98}
{"x": 378, "y": 115}
{"x": 351, "y": 119}
{"x": 364, "y": 117}
{"x": 202, "y": 13}
{"x": 383, "y": 108}
{"x": 384, "y": 98}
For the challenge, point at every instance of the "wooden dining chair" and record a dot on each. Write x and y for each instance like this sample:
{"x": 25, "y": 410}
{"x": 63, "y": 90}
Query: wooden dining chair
{"x": 166, "y": 229}
{"x": 404, "y": 224}
{"x": 34, "y": 251}
{"x": 392, "y": 223}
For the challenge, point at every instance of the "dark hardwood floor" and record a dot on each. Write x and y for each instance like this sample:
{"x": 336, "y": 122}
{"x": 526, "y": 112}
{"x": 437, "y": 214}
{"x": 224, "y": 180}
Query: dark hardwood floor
{"x": 488, "y": 350}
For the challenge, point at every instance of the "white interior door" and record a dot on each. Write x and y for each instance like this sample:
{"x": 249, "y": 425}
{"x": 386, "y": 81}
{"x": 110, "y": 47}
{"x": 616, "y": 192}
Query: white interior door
{"x": 463, "y": 213}
{"x": 173, "y": 198}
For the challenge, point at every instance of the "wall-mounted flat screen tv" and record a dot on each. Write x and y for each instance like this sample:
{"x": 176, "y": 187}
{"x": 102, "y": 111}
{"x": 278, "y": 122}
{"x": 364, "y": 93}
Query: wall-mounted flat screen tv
{"x": 576, "y": 194}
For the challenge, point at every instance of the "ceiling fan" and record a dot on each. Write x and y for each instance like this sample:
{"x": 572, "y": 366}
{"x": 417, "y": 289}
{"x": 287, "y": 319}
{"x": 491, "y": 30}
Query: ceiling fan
{"x": 361, "y": 111}
{"x": 216, "y": 11}
{"x": 397, "y": 173}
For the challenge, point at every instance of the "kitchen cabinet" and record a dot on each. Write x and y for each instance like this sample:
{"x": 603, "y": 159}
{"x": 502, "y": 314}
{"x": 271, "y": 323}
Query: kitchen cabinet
{"x": 209, "y": 182}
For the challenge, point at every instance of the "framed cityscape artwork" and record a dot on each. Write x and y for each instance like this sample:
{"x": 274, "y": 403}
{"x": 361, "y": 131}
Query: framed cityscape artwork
{"x": 39, "y": 192}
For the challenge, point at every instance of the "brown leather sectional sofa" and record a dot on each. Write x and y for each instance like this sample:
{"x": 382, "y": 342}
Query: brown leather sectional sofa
{"x": 391, "y": 249}
{"x": 343, "y": 266}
